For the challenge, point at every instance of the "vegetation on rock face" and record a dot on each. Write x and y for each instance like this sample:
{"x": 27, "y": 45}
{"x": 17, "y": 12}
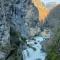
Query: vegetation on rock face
{"x": 53, "y": 50}
{"x": 17, "y": 42}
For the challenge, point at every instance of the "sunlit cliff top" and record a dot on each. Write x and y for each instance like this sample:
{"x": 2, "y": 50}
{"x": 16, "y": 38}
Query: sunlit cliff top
{"x": 43, "y": 12}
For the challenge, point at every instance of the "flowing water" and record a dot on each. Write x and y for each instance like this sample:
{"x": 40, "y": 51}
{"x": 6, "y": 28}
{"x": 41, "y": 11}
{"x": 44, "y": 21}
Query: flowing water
{"x": 38, "y": 54}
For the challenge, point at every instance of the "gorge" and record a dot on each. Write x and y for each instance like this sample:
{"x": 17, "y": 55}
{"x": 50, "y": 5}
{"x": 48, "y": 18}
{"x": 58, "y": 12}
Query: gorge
{"x": 20, "y": 25}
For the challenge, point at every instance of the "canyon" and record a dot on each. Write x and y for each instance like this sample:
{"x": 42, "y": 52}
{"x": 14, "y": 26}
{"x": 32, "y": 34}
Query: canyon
{"x": 21, "y": 20}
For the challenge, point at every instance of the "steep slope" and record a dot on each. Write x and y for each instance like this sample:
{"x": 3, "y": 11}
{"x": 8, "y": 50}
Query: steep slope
{"x": 53, "y": 19}
{"x": 52, "y": 46}
{"x": 25, "y": 18}
{"x": 24, "y": 21}
{"x": 4, "y": 30}
{"x": 43, "y": 12}
{"x": 16, "y": 17}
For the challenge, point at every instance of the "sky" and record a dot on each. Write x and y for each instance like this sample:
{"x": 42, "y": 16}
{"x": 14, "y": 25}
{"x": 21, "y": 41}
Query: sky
{"x": 46, "y": 1}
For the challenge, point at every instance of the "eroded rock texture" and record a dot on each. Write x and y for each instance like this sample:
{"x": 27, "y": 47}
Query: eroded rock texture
{"x": 17, "y": 18}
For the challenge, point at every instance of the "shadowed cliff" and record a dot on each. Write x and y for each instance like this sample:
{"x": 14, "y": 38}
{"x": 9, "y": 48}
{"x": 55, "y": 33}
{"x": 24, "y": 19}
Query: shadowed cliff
{"x": 53, "y": 19}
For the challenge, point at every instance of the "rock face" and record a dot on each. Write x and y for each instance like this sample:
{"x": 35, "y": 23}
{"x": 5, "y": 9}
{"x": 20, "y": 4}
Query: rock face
{"x": 43, "y": 12}
{"x": 2, "y": 56}
{"x": 52, "y": 22}
{"x": 22, "y": 17}
{"x": 4, "y": 32}
{"x": 53, "y": 19}
{"x": 25, "y": 18}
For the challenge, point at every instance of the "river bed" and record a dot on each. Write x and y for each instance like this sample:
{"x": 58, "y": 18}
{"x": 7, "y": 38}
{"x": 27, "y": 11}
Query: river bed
{"x": 38, "y": 54}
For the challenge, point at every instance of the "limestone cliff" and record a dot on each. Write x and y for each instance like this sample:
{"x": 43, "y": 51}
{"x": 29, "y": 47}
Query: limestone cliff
{"x": 25, "y": 18}
{"x": 17, "y": 18}
{"x": 43, "y": 12}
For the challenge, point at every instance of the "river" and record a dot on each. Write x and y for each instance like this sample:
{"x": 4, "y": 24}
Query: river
{"x": 38, "y": 54}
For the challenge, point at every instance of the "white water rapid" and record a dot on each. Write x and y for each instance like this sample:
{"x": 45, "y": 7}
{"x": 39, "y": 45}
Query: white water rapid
{"x": 38, "y": 54}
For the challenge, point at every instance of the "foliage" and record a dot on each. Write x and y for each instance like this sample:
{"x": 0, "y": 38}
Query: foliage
{"x": 16, "y": 40}
{"x": 53, "y": 53}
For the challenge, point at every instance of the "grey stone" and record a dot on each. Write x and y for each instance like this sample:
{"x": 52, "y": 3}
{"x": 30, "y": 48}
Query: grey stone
{"x": 26, "y": 17}
{"x": 2, "y": 55}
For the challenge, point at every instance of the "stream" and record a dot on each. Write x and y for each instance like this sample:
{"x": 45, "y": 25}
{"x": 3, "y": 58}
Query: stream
{"x": 38, "y": 54}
